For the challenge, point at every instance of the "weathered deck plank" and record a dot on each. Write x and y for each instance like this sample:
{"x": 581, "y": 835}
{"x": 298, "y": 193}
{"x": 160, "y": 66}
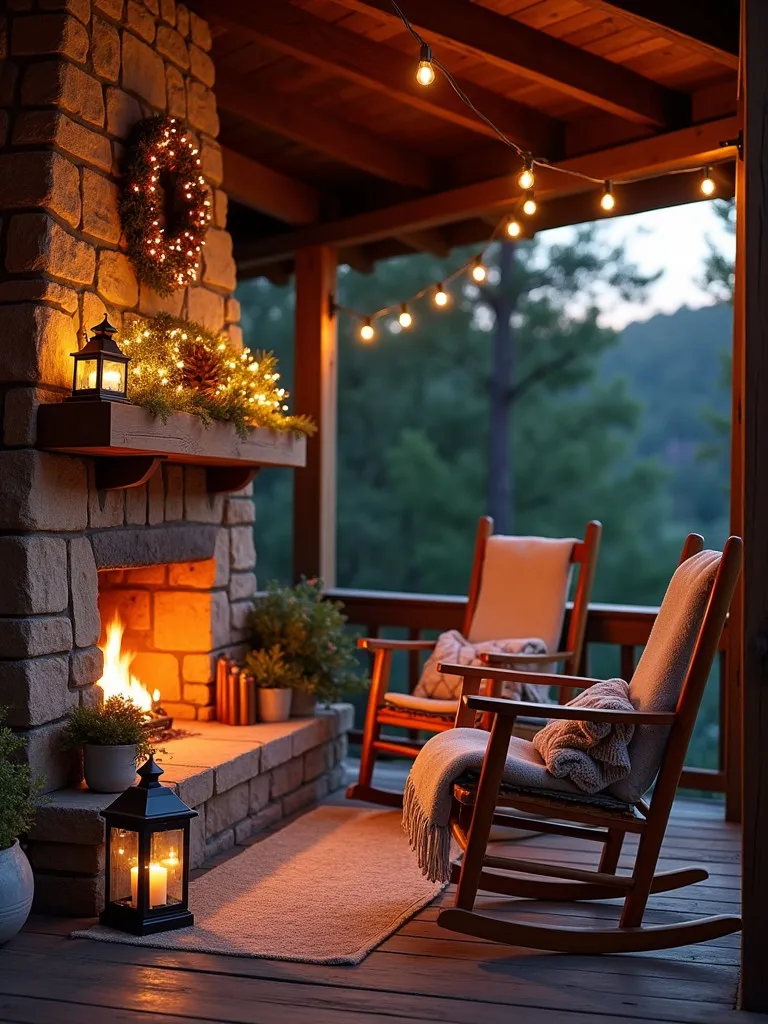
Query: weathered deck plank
{"x": 423, "y": 973}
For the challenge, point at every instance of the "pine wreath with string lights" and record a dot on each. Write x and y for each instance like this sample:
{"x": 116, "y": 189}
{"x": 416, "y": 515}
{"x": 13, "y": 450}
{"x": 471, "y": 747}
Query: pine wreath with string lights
{"x": 165, "y": 206}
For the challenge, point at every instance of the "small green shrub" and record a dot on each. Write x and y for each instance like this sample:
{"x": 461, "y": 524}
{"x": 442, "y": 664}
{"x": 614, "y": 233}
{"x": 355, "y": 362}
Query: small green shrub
{"x": 19, "y": 789}
{"x": 301, "y": 639}
{"x": 112, "y": 724}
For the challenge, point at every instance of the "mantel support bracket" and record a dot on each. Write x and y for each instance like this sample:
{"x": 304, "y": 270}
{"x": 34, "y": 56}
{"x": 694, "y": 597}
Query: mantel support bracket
{"x": 120, "y": 473}
{"x": 224, "y": 479}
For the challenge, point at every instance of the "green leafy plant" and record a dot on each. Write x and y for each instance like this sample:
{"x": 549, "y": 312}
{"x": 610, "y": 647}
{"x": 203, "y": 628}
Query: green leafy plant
{"x": 115, "y": 723}
{"x": 299, "y": 638}
{"x": 19, "y": 788}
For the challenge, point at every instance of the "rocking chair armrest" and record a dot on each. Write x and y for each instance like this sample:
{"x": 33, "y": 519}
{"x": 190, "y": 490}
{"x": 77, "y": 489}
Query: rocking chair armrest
{"x": 370, "y": 643}
{"x": 514, "y": 676}
{"x": 513, "y": 708}
{"x": 500, "y": 660}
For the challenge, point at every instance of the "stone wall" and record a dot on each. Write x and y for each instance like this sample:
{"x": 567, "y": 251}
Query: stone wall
{"x": 75, "y": 76}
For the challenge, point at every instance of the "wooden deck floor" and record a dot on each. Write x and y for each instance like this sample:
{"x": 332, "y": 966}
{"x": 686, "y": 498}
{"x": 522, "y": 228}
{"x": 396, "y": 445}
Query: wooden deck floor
{"x": 422, "y": 973}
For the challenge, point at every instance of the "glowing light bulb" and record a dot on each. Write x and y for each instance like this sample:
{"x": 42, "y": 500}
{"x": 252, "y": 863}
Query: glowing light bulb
{"x": 405, "y": 319}
{"x": 441, "y": 295}
{"x": 425, "y": 73}
{"x": 366, "y": 331}
{"x": 513, "y": 228}
{"x": 526, "y": 178}
{"x": 529, "y": 206}
{"x": 479, "y": 273}
{"x": 607, "y": 202}
{"x": 707, "y": 184}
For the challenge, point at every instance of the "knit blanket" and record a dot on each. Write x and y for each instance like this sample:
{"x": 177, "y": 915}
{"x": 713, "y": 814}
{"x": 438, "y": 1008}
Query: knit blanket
{"x": 593, "y": 755}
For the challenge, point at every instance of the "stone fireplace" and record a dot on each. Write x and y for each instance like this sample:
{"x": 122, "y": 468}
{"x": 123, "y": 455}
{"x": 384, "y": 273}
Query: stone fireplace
{"x": 173, "y": 555}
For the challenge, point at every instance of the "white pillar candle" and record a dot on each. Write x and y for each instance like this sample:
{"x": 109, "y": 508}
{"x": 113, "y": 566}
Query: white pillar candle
{"x": 158, "y": 885}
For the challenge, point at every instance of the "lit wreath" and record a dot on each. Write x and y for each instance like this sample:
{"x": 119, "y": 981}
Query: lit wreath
{"x": 165, "y": 207}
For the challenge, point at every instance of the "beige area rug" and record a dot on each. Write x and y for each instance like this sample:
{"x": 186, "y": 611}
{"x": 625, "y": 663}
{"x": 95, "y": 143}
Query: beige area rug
{"x": 325, "y": 890}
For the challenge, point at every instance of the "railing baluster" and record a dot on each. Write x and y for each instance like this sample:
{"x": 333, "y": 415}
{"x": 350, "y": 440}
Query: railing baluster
{"x": 627, "y": 661}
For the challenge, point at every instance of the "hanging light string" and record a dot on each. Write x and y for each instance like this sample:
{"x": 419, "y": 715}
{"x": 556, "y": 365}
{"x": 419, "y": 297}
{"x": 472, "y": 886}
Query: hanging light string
{"x": 527, "y": 204}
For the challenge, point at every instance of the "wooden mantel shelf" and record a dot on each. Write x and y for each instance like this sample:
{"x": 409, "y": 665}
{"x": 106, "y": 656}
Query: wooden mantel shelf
{"x": 129, "y": 443}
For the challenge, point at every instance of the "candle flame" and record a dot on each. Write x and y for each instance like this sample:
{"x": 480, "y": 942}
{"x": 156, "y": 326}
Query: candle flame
{"x": 117, "y": 679}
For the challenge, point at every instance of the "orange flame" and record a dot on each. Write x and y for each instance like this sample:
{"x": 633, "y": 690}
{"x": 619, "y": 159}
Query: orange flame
{"x": 117, "y": 680}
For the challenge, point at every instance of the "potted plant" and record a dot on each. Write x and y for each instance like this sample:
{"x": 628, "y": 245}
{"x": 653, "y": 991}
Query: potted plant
{"x": 274, "y": 679}
{"x": 112, "y": 736}
{"x": 18, "y": 792}
{"x": 316, "y": 653}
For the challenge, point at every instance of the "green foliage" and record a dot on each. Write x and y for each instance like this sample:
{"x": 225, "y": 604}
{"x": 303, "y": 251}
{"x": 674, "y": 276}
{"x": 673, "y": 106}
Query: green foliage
{"x": 303, "y": 641}
{"x": 271, "y": 668}
{"x": 243, "y": 388}
{"x": 19, "y": 789}
{"x": 112, "y": 724}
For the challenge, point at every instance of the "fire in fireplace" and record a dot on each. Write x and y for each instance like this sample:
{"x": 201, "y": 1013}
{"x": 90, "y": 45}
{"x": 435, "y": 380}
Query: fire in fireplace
{"x": 118, "y": 680}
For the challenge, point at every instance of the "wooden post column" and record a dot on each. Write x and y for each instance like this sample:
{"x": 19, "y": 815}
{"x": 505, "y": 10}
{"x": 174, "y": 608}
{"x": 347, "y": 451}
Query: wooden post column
{"x": 314, "y": 392}
{"x": 753, "y": 224}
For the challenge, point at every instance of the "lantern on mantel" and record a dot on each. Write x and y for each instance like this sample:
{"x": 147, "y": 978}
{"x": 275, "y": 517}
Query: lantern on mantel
{"x": 100, "y": 367}
{"x": 147, "y": 870}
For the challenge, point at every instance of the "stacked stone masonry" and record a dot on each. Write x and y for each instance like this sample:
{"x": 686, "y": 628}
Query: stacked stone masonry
{"x": 242, "y": 782}
{"x": 75, "y": 77}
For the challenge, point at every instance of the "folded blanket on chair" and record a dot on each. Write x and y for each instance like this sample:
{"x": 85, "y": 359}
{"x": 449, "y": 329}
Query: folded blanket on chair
{"x": 593, "y": 755}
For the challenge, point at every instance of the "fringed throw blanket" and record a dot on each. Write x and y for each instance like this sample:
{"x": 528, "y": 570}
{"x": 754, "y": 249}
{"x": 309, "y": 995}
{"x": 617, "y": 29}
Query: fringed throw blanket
{"x": 593, "y": 755}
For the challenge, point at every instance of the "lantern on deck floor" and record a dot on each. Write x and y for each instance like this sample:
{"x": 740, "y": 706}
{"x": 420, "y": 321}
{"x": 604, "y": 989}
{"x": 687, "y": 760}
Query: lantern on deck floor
{"x": 147, "y": 872}
{"x": 101, "y": 369}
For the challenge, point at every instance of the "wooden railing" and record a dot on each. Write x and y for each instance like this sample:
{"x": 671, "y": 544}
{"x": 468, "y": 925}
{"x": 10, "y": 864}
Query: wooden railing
{"x": 624, "y": 626}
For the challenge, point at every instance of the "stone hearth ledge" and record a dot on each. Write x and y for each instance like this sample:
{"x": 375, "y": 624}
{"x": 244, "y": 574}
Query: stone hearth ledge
{"x": 242, "y": 780}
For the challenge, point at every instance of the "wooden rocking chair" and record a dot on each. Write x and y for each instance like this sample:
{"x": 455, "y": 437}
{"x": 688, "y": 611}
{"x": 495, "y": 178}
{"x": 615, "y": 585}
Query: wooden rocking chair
{"x": 666, "y": 690}
{"x": 487, "y": 611}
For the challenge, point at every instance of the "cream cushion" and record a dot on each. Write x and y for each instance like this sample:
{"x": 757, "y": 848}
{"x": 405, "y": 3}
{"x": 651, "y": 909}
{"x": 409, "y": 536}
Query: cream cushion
{"x": 523, "y": 589}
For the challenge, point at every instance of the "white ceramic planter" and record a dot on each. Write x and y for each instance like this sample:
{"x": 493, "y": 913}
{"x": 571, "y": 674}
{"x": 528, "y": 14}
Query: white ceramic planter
{"x": 17, "y": 887}
{"x": 109, "y": 769}
{"x": 303, "y": 704}
{"x": 274, "y": 704}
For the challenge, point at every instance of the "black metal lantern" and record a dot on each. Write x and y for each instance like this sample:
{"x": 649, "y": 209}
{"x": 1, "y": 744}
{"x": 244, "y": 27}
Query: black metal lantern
{"x": 101, "y": 369}
{"x": 147, "y": 875}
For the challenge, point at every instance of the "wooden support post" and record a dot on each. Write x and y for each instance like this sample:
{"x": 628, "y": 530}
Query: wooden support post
{"x": 314, "y": 391}
{"x": 730, "y": 722}
{"x": 754, "y": 223}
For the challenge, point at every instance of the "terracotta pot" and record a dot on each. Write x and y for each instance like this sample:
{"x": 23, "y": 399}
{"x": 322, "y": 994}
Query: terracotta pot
{"x": 17, "y": 887}
{"x": 109, "y": 769}
{"x": 274, "y": 704}
{"x": 303, "y": 704}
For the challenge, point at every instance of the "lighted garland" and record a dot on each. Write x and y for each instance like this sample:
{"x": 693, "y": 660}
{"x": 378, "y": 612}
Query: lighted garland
{"x": 180, "y": 366}
{"x": 165, "y": 207}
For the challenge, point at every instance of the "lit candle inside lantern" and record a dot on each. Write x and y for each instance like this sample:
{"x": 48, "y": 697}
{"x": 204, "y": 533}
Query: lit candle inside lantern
{"x": 113, "y": 380}
{"x": 158, "y": 885}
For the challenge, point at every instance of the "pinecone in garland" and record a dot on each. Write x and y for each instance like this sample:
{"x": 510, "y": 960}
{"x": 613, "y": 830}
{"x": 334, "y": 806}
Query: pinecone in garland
{"x": 201, "y": 370}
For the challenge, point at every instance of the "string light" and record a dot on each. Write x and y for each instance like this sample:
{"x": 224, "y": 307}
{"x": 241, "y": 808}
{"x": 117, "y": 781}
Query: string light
{"x": 425, "y": 73}
{"x": 607, "y": 201}
{"x": 707, "y": 184}
{"x": 526, "y": 178}
{"x": 514, "y": 230}
{"x": 479, "y": 273}
{"x": 405, "y": 319}
{"x": 529, "y": 204}
{"x": 367, "y": 332}
{"x": 440, "y": 297}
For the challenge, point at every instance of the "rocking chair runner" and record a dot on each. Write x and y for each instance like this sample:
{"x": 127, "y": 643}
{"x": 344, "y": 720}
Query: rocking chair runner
{"x": 666, "y": 691}
{"x": 486, "y": 609}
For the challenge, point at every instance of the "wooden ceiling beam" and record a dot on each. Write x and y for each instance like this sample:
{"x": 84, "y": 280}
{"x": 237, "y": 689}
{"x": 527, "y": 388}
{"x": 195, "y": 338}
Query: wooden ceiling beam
{"x": 426, "y": 240}
{"x": 348, "y": 143}
{"x": 709, "y": 28}
{"x": 268, "y": 191}
{"x": 526, "y": 51}
{"x": 312, "y": 40}
{"x": 688, "y": 147}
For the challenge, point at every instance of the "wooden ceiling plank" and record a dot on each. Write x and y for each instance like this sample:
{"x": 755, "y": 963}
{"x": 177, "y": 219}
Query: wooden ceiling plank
{"x": 688, "y": 147}
{"x": 709, "y": 28}
{"x": 345, "y": 142}
{"x": 426, "y": 240}
{"x": 262, "y": 188}
{"x": 543, "y": 58}
{"x": 342, "y": 53}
